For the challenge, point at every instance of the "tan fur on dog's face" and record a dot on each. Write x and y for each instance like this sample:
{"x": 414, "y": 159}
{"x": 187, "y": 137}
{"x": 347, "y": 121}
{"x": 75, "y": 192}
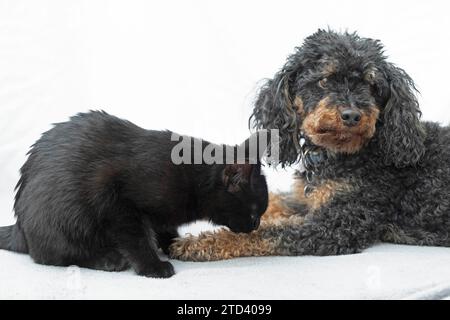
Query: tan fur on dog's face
{"x": 324, "y": 126}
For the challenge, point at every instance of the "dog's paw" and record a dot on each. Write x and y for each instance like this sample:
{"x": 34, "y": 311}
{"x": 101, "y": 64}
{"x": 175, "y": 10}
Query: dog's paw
{"x": 223, "y": 244}
{"x": 162, "y": 269}
{"x": 188, "y": 249}
{"x": 201, "y": 248}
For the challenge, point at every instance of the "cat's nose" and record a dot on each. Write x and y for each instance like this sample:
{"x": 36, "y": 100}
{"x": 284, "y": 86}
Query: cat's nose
{"x": 255, "y": 221}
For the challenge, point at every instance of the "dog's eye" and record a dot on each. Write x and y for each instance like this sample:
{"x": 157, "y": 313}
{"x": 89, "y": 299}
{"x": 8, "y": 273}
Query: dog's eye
{"x": 323, "y": 83}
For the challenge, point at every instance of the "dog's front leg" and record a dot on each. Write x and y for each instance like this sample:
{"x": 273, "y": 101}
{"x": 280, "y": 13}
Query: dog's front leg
{"x": 339, "y": 228}
{"x": 224, "y": 244}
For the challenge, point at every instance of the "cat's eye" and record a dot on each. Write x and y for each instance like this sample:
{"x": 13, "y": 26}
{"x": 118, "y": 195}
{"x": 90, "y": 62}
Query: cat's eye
{"x": 323, "y": 83}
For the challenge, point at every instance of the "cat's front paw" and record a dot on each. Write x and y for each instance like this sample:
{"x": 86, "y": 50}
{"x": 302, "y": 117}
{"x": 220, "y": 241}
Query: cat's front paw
{"x": 162, "y": 269}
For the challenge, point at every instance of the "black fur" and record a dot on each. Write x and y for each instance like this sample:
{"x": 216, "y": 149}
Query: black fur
{"x": 397, "y": 183}
{"x": 102, "y": 193}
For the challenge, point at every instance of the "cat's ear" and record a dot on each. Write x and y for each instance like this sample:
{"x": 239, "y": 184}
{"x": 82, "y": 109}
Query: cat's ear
{"x": 254, "y": 147}
{"x": 236, "y": 175}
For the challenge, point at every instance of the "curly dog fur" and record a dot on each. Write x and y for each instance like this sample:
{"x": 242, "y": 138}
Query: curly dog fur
{"x": 385, "y": 175}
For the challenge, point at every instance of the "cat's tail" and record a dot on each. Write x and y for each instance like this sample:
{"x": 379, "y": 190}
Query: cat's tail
{"x": 12, "y": 239}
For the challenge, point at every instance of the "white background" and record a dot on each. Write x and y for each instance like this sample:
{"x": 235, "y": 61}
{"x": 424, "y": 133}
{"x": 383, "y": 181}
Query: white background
{"x": 189, "y": 66}
{"x": 192, "y": 67}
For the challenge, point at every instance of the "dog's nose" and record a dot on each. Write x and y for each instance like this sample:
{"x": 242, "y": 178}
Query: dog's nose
{"x": 350, "y": 117}
{"x": 255, "y": 221}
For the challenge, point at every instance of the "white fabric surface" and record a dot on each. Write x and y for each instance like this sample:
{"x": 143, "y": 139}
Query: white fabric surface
{"x": 193, "y": 67}
{"x": 382, "y": 272}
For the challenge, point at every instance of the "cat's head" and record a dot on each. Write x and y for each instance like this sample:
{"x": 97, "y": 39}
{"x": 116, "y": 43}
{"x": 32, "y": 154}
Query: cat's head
{"x": 243, "y": 200}
{"x": 241, "y": 197}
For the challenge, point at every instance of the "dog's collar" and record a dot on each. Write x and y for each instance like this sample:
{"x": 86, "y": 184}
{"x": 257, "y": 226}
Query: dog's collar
{"x": 312, "y": 159}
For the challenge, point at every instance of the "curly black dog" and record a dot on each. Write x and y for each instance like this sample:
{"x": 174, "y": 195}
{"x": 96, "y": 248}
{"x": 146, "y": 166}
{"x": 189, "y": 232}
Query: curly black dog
{"x": 100, "y": 192}
{"x": 370, "y": 170}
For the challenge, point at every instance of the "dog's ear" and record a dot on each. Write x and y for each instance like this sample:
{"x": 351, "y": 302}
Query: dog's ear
{"x": 401, "y": 134}
{"x": 274, "y": 109}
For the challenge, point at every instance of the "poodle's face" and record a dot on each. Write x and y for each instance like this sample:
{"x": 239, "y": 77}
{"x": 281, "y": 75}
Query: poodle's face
{"x": 337, "y": 101}
{"x": 339, "y": 91}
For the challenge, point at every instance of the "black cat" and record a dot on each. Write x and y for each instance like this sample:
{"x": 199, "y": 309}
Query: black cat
{"x": 103, "y": 193}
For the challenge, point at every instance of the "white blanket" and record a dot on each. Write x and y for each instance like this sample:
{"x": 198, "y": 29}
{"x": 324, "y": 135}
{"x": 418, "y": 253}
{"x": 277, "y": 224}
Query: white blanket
{"x": 382, "y": 272}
